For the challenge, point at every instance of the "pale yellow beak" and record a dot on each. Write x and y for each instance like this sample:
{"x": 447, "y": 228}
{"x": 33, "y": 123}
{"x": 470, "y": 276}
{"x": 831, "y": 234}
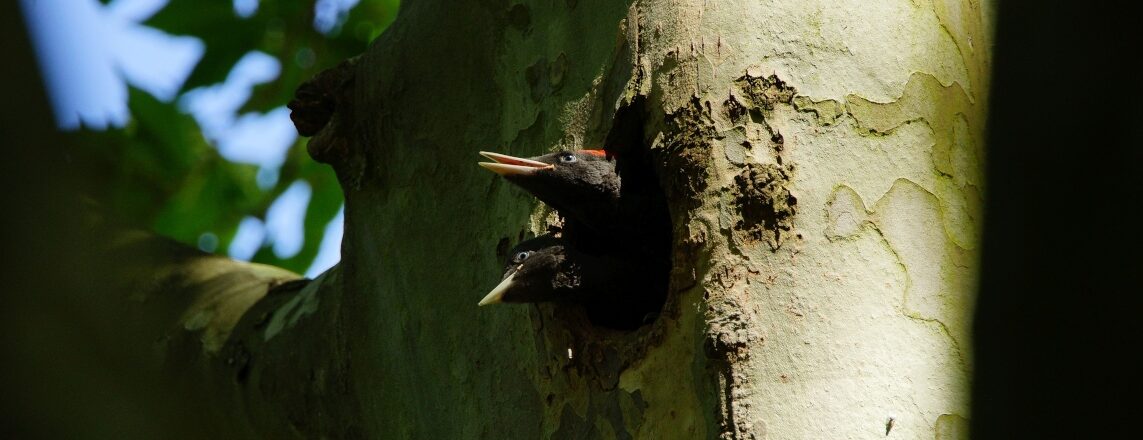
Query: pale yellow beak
{"x": 506, "y": 165}
{"x": 497, "y": 294}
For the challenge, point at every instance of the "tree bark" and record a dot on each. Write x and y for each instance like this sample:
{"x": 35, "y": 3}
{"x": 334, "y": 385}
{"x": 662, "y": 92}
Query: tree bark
{"x": 822, "y": 166}
{"x": 823, "y": 169}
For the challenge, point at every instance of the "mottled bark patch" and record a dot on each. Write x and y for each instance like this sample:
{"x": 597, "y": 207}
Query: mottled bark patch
{"x": 764, "y": 203}
{"x": 755, "y": 97}
{"x": 826, "y": 112}
{"x": 727, "y": 344}
{"x": 765, "y": 92}
{"x": 735, "y": 109}
{"x": 545, "y": 77}
{"x": 730, "y": 338}
{"x": 618, "y": 413}
{"x": 685, "y": 149}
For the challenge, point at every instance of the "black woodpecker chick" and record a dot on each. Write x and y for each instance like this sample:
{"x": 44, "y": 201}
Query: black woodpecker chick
{"x": 616, "y": 291}
{"x": 548, "y": 269}
{"x": 581, "y": 185}
{"x": 613, "y": 205}
{"x": 612, "y": 255}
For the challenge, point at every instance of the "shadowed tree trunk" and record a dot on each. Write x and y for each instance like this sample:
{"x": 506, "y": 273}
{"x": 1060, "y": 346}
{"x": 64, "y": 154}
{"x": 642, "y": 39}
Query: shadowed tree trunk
{"x": 822, "y": 167}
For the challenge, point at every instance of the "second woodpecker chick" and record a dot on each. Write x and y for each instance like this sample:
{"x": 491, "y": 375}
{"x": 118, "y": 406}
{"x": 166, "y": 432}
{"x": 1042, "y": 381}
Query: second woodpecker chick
{"x": 547, "y": 269}
{"x": 617, "y": 291}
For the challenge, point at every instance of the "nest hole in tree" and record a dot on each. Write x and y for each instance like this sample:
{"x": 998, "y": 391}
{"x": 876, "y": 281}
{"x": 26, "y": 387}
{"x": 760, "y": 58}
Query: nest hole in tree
{"x": 638, "y": 301}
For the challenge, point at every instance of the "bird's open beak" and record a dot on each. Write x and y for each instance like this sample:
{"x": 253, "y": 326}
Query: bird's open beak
{"x": 497, "y": 294}
{"x": 506, "y": 165}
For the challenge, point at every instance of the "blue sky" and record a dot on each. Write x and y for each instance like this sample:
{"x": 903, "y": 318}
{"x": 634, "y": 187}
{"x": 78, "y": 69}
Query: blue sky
{"x": 90, "y": 52}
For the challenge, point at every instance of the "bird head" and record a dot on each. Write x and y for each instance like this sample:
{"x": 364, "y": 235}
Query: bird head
{"x": 568, "y": 181}
{"x": 543, "y": 269}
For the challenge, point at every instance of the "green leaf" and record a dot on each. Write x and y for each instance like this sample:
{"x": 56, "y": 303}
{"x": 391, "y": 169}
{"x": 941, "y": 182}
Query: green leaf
{"x": 160, "y": 172}
{"x": 226, "y": 36}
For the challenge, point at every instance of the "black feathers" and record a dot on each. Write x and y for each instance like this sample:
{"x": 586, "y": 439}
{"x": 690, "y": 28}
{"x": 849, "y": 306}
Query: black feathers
{"x": 547, "y": 269}
{"x": 612, "y": 254}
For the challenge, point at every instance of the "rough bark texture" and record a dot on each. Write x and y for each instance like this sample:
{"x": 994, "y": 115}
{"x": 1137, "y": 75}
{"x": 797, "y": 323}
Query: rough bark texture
{"x": 822, "y": 162}
{"x": 822, "y": 166}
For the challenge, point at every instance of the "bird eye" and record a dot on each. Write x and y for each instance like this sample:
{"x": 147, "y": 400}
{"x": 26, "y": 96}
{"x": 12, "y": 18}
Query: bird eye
{"x": 567, "y": 158}
{"x": 520, "y": 257}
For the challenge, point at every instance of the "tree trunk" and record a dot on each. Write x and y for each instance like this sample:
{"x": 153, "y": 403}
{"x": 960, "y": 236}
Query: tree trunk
{"x": 823, "y": 171}
{"x": 822, "y": 166}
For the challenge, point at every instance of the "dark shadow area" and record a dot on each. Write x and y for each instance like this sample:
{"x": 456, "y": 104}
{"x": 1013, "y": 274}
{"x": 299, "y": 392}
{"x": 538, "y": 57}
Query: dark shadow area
{"x": 1056, "y": 327}
{"x": 645, "y": 236}
{"x": 66, "y": 372}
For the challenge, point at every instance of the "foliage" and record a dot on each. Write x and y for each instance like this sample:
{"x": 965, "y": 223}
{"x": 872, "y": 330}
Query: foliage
{"x": 160, "y": 172}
